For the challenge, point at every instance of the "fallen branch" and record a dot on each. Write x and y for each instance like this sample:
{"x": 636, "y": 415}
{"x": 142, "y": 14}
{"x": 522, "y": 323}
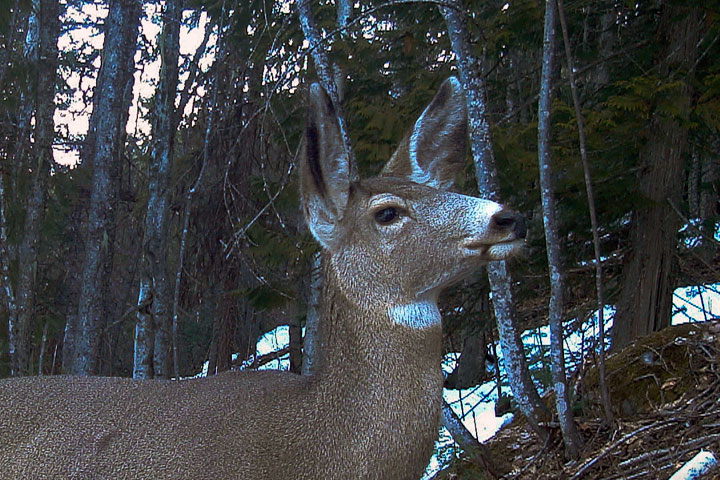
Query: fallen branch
{"x": 267, "y": 358}
{"x": 617, "y": 443}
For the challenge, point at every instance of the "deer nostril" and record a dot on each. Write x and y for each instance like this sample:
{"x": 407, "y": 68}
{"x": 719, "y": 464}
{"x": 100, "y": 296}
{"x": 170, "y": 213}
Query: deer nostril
{"x": 504, "y": 218}
{"x": 509, "y": 220}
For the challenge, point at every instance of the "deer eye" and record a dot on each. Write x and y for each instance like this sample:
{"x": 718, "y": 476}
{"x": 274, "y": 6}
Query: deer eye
{"x": 387, "y": 215}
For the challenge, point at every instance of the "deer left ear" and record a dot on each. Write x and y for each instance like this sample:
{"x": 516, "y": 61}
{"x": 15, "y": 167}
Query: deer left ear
{"x": 434, "y": 151}
{"x": 324, "y": 168}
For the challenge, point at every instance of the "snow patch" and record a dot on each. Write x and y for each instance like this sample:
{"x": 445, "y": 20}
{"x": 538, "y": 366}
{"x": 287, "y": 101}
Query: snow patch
{"x": 697, "y": 467}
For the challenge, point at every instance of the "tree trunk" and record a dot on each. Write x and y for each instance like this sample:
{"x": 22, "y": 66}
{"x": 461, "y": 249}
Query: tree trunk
{"x": 325, "y": 71}
{"x": 310, "y": 342}
{"x": 471, "y": 366}
{"x": 330, "y": 77}
{"x": 155, "y": 287}
{"x": 112, "y": 106}
{"x": 592, "y": 210}
{"x": 199, "y": 183}
{"x": 708, "y": 196}
{"x": 645, "y": 302}
{"x": 295, "y": 333}
{"x": 19, "y": 162}
{"x": 8, "y": 294}
{"x": 48, "y": 23}
{"x": 225, "y": 330}
{"x": 573, "y": 441}
{"x": 478, "y": 452}
{"x": 521, "y": 383}
{"x": 693, "y": 184}
{"x": 16, "y": 328}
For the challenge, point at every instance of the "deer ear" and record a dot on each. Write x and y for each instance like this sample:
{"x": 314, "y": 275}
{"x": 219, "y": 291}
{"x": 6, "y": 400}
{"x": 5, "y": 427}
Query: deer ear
{"x": 324, "y": 168}
{"x": 434, "y": 150}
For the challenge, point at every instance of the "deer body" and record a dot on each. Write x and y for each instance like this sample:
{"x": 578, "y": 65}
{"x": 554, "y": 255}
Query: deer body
{"x": 371, "y": 410}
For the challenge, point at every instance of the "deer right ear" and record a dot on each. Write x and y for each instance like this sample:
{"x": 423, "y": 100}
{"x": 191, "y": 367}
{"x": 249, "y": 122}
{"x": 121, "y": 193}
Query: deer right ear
{"x": 433, "y": 152}
{"x": 324, "y": 168}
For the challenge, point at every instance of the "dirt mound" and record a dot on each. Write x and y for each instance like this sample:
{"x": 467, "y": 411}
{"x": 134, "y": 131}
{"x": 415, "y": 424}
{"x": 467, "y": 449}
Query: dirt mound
{"x": 665, "y": 390}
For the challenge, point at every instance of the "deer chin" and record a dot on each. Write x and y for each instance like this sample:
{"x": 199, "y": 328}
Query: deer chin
{"x": 504, "y": 250}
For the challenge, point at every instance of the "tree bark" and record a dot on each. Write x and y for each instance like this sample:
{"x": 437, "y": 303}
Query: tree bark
{"x": 295, "y": 348}
{"x": 649, "y": 277}
{"x": 112, "y": 106}
{"x": 325, "y": 71}
{"x": 573, "y": 441}
{"x": 471, "y": 366}
{"x": 8, "y": 293}
{"x": 599, "y": 282}
{"x": 48, "y": 24}
{"x": 708, "y": 196}
{"x": 311, "y": 348}
{"x": 209, "y": 129}
{"x": 155, "y": 287}
{"x": 19, "y": 163}
{"x": 521, "y": 383}
{"x": 474, "y": 449}
{"x": 330, "y": 77}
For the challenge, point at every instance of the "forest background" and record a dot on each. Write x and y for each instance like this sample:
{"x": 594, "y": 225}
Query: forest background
{"x": 149, "y": 216}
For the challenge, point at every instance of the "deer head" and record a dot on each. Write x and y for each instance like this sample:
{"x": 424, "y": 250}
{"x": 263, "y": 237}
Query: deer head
{"x": 395, "y": 241}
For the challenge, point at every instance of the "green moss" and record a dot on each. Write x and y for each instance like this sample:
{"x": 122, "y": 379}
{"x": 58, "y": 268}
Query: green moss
{"x": 653, "y": 371}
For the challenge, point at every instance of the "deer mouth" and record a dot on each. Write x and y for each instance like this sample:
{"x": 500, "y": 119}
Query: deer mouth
{"x": 492, "y": 251}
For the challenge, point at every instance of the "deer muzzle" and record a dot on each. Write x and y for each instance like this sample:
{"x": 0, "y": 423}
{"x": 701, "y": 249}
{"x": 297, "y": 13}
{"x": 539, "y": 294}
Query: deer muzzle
{"x": 506, "y": 231}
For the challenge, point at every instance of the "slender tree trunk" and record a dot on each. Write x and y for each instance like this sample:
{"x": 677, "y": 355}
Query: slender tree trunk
{"x": 193, "y": 70}
{"x": 649, "y": 277}
{"x": 17, "y": 316}
{"x": 224, "y": 336}
{"x": 295, "y": 333}
{"x": 48, "y": 24}
{"x": 573, "y": 441}
{"x": 69, "y": 337}
{"x": 209, "y": 129}
{"x": 693, "y": 184}
{"x": 327, "y": 74}
{"x": 310, "y": 342}
{"x": 476, "y": 450}
{"x": 8, "y": 293}
{"x": 20, "y": 159}
{"x": 330, "y": 77}
{"x": 708, "y": 195}
{"x": 41, "y": 355}
{"x": 184, "y": 98}
{"x": 155, "y": 293}
{"x": 521, "y": 383}
{"x": 123, "y": 17}
{"x": 599, "y": 283}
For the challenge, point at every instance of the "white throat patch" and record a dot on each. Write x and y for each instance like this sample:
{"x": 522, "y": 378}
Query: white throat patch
{"x": 419, "y": 315}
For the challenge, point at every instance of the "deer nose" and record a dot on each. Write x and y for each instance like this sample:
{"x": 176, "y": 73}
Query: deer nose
{"x": 508, "y": 220}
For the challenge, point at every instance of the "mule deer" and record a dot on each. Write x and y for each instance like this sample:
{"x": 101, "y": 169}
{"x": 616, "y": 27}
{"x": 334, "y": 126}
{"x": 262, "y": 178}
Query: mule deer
{"x": 371, "y": 409}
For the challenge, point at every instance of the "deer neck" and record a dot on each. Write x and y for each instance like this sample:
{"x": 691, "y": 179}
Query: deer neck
{"x": 358, "y": 336}
{"x": 382, "y": 379}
